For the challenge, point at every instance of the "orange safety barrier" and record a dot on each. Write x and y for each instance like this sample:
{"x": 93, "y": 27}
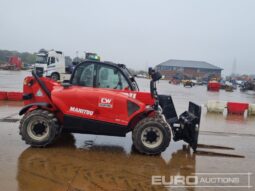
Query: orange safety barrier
{"x": 237, "y": 108}
{"x": 3, "y": 95}
{"x": 213, "y": 86}
{"x": 15, "y": 96}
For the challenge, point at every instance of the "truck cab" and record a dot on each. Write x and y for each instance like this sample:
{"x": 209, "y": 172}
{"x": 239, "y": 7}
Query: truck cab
{"x": 50, "y": 64}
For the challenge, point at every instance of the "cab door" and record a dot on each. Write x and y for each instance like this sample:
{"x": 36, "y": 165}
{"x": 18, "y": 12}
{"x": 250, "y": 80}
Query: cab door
{"x": 88, "y": 108}
{"x": 111, "y": 104}
{"x": 51, "y": 65}
{"x": 97, "y": 88}
{"x": 81, "y": 97}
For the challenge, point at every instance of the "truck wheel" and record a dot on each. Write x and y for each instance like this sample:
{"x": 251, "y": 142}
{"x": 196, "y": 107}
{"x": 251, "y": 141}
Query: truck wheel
{"x": 38, "y": 128}
{"x": 151, "y": 135}
{"x": 55, "y": 76}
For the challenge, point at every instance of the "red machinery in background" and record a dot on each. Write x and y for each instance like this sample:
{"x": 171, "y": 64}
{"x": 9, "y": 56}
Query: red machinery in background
{"x": 213, "y": 86}
{"x": 16, "y": 62}
{"x": 13, "y": 63}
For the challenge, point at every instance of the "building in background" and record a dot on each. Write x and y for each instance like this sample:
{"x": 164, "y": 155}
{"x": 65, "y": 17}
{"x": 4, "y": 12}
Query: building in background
{"x": 186, "y": 69}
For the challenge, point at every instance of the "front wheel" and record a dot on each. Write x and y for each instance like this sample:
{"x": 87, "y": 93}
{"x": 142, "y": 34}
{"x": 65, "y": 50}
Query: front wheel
{"x": 55, "y": 76}
{"x": 151, "y": 136}
{"x": 38, "y": 128}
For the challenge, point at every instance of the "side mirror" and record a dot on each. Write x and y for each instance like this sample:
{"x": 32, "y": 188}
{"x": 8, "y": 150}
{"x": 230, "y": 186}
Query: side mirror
{"x": 155, "y": 76}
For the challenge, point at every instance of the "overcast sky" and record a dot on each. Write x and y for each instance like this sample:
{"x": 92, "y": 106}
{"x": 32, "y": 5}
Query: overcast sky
{"x": 138, "y": 33}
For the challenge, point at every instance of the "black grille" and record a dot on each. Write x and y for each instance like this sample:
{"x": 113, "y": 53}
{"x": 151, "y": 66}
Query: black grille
{"x": 132, "y": 108}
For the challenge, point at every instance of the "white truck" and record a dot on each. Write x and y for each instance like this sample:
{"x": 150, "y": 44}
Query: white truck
{"x": 50, "y": 63}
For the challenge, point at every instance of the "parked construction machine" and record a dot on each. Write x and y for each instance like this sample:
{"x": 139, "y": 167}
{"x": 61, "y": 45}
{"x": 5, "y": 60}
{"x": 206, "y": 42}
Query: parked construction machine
{"x": 14, "y": 63}
{"x": 248, "y": 85}
{"x": 103, "y": 98}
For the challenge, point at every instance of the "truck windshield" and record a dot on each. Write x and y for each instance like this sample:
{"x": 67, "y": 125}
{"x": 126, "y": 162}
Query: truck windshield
{"x": 41, "y": 59}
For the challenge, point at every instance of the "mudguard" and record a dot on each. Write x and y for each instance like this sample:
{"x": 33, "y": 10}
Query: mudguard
{"x": 39, "y": 104}
{"x": 186, "y": 127}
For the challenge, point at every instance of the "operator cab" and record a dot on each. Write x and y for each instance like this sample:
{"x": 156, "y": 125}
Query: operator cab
{"x": 103, "y": 75}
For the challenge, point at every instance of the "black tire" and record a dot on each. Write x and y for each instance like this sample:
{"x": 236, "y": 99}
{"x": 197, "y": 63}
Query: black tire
{"x": 156, "y": 128}
{"x": 55, "y": 76}
{"x": 39, "y": 128}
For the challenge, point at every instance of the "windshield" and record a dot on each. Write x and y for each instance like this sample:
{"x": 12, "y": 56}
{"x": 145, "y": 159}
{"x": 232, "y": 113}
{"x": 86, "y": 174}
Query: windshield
{"x": 41, "y": 59}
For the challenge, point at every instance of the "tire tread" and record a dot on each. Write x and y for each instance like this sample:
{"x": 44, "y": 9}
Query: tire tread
{"x": 51, "y": 118}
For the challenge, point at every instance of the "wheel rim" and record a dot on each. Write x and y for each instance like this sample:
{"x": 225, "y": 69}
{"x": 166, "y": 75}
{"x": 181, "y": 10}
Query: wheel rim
{"x": 38, "y": 129}
{"x": 152, "y": 137}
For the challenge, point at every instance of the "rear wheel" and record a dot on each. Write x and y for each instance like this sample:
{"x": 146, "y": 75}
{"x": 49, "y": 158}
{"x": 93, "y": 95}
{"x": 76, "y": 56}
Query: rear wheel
{"x": 38, "y": 128}
{"x": 151, "y": 135}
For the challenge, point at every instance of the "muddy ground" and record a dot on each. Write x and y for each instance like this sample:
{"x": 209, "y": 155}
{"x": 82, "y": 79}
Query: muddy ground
{"x": 89, "y": 162}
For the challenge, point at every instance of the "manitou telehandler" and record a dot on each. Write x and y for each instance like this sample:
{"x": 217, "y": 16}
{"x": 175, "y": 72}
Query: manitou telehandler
{"x": 103, "y": 98}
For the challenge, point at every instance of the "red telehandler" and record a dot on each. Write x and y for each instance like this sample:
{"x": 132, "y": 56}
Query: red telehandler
{"x": 103, "y": 98}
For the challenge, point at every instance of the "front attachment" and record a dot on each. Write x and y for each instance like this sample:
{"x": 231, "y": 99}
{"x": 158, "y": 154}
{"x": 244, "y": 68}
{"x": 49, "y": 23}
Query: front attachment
{"x": 185, "y": 128}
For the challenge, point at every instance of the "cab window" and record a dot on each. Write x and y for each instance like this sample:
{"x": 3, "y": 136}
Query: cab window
{"x": 124, "y": 82}
{"x": 51, "y": 60}
{"x": 110, "y": 77}
{"x": 84, "y": 75}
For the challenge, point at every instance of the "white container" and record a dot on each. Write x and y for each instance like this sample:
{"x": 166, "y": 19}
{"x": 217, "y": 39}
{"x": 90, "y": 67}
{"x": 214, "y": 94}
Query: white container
{"x": 251, "y": 110}
{"x": 216, "y": 106}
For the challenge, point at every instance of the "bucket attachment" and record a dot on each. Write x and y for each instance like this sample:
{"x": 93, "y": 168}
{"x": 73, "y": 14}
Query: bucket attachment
{"x": 186, "y": 127}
